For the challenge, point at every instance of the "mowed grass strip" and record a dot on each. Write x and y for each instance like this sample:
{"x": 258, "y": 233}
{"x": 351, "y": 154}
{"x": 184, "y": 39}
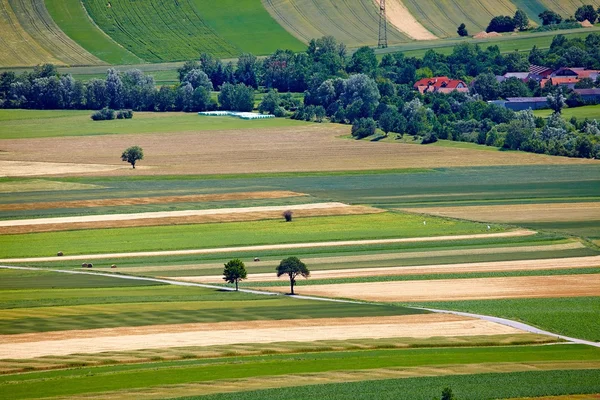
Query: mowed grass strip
{"x": 575, "y": 316}
{"x": 20, "y": 124}
{"x": 316, "y": 229}
{"x": 154, "y": 374}
{"x": 71, "y": 17}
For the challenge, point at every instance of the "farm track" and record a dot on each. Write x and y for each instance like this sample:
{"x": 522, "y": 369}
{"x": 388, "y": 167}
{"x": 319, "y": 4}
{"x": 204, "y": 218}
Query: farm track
{"x": 516, "y": 233}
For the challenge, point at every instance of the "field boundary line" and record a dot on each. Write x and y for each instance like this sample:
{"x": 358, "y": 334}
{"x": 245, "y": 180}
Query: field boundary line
{"x": 514, "y": 233}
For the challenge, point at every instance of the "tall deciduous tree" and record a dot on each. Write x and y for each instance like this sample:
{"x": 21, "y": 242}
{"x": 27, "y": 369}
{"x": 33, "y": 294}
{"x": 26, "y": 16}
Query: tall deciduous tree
{"x": 234, "y": 272}
{"x": 132, "y": 155}
{"x": 586, "y": 12}
{"x": 293, "y": 268}
{"x": 521, "y": 20}
{"x": 462, "y": 30}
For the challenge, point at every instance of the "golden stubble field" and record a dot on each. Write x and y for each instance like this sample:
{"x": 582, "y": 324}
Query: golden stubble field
{"x": 315, "y": 147}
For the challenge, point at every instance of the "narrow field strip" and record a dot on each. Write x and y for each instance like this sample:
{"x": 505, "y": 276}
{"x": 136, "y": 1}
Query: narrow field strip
{"x": 399, "y": 16}
{"x": 193, "y": 219}
{"x": 520, "y": 265}
{"x": 428, "y": 325}
{"x": 166, "y": 214}
{"x": 514, "y": 213}
{"x": 33, "y": 168}
{"x": 515, "y": 233}
{"x": 276, "y": 194}
{"x": 460, "y": 289}
{"x": 237, "y": 387}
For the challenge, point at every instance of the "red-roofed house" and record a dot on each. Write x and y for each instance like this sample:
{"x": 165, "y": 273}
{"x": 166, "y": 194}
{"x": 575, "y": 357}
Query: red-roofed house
{"x": 440, "y": 84}
{"x": 569, "y": 82}
{"x": 540, "y": 72}
{"x": 578, "y": 73}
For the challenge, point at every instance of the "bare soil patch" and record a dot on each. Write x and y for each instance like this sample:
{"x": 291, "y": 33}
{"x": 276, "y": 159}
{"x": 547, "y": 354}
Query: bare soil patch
{"x": 399, "y": 16}
{"x": 194, "y": 198}
{"x": 576, "y": 262}
{"x": 315, "y": 147}
{"x": 187, "y": 220}
{"x": 33, "y": 168}
{"x": 460, "y": 289}
{"x": 164, "y": 336}
{"x": 554, "y": 212}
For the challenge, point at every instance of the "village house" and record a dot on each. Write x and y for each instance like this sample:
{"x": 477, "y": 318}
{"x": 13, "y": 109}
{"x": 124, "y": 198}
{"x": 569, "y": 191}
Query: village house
{"x": 440, "y": 84}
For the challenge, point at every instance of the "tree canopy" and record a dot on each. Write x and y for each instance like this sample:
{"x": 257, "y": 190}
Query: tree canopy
{"x": 132, "y": 155}
{"x": 292, "y": 267}
{"x": 234, "y": 272}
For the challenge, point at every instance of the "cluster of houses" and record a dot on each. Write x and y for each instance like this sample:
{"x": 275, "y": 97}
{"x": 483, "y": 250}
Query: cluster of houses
{"x": 564, "y": 77}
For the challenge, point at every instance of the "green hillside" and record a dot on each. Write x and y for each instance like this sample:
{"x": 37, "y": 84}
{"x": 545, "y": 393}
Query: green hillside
{"x": 353, "y": 22}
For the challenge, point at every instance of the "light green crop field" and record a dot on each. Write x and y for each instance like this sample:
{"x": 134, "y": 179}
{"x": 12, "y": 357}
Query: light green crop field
{"x": 18, "y": 47}
{"x": 353, "y": 22}
{"x": 20, "y": 124}
{"x": 72, "y": 18}
{"x": 567, "y": 7}
{"x": 575, "y": 316}
{"x": 315, "y": 229}
{"x": 35, "y": 19}
{"x": 155, "y": 375}
{"x": 443, "y": 17}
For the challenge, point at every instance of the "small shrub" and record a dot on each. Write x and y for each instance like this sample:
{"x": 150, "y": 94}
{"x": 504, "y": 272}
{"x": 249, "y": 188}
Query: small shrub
{"x": 363, "y": 127}
{"x": 279, "y": 112}
{"x": 60, "y": 254}
{"x": 288, "y": 215}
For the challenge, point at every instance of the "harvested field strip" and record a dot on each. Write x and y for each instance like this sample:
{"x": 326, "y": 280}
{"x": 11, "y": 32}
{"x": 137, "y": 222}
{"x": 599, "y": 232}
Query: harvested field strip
{"x": 185, "y": 353}
{"x": 33, "y": 168}
{"x": 273, "y": 213}
{"x": 461, "y": 289}
{"x": 569, "y": 316}
{"x": 144, "y": 200}
{"x": 17, "y": 47}
{"x": 421, "y": 326}
{"x": 49, "y": 319}
{"x": 515, "y": 213}
{"x": 143, "y": 376}
{"x": 399, "y": 16}
{"x": 164, "y": 214}
{"x": 34, "y": 18}
{"x": 354, "y": 23}
{"x": 580, "y": 262}
{"x": 72, "y": 249}
{"x": 42, "y": 185}
{"x": 159, "y": 31}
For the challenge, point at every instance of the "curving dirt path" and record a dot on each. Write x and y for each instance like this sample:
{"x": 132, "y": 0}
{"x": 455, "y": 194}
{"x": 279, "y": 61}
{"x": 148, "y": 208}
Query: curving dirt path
{"x": 514, "y": 233}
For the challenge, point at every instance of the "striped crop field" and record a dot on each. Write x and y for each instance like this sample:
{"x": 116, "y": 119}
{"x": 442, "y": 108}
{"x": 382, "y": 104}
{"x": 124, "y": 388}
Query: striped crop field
{"x": 35, "y": 19}
{"x": 352, "y": 22}
{"x": 17, "y": 47}
{"x": 71, "y": 17}
{"x": 567, "y": 8}
{"x": 443, "y": 17}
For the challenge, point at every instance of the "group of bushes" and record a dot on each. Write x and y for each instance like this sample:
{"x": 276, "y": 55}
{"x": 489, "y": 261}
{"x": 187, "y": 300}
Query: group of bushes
{"x": 108, "y": 114}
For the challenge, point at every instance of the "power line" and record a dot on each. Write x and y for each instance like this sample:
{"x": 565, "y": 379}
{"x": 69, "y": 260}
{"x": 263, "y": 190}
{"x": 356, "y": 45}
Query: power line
{"x": 382, "y": 43}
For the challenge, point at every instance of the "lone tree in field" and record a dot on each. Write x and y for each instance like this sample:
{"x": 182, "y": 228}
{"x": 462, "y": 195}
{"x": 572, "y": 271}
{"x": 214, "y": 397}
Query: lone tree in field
{"x": 292, "y": 267}
{"x": 132, "y": 155}
{"x": 234, "y": 271}
{"x": 462, "y": 30}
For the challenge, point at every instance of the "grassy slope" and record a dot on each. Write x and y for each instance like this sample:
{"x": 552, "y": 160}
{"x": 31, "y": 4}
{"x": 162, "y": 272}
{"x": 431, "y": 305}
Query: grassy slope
{"x": 18, "y": 124}
{"x": 353, "y": 22}
{"x": 148, "y": 375}
{"x": 250, "y": 29}
{"x": 71, "y": 17}
{"x": 590, "y": 112}
{"x": 386, "y": 225}
{"x": 576, "y": 317}
{"x": 18, "y": 47}
{"x": 35, "y": 19}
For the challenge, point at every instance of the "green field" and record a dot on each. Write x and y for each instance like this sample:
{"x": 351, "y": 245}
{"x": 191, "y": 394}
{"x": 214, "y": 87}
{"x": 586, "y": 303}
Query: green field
{"x": 159, "y": 31}
{"x": 576, "y": 317}
{"x": 567, "y": 7}
{"x": 354, "y": 23}
{"x": 590, "y": 112}
{"x": 315, "y": 229}
{"x": 72, "y": 18}
{"x": 112, "y": 378}
{"x": 21, "y": 124}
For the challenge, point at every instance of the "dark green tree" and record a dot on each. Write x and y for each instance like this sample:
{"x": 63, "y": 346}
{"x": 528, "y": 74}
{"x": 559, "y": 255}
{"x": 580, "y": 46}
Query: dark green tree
{"x": 586, "y": 12}
{"x": 487, "y": 86}
{"x": 462, "y": 30}
{"x": 363, "y": 61}
{"x": 550, "y": 17}
{"x": 447, "y": 394}
{"x": 521, "y": 20}
{"x": 132, "y": 155}
{"x": 234, "y": 272}
{"x": 293, "y": 268}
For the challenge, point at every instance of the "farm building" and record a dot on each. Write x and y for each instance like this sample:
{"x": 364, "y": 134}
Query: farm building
{"x": 440, "y": 84}
{"x": 538, "y": 72}
{"x": 522, "y": 76}
{"x": 522, "y": 103}
{"x": 589, "y": 95}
